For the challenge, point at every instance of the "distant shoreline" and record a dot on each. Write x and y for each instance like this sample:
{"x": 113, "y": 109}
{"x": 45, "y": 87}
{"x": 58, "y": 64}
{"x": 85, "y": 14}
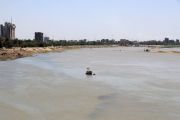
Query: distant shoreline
{"x": 17, "y": 52}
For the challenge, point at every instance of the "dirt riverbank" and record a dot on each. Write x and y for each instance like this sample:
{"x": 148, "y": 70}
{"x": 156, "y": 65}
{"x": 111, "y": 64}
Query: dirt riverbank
{"x": 15, "y": 53}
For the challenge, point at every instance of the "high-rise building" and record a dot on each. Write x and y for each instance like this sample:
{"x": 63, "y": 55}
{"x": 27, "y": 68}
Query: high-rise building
{"x": 1, "y": 30}
{"x": 39, "y": 36}
{"x": 8, "y": 30}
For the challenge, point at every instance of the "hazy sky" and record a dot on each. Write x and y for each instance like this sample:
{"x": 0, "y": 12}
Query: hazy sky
{"x": 94, "y": 19}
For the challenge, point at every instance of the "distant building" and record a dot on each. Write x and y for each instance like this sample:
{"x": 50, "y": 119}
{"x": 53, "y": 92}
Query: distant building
{"x": 39, "y": 36}
{"x": 1, "y": 30}
{"x": 177, "y": 40}
{"x": 8, "y": 30}
{"x": 46, "y": 39}
{"x": 166, "y": 40}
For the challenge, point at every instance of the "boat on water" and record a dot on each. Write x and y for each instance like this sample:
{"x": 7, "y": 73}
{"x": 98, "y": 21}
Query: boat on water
{"x": 89, "y": 72}
{"x": 147, "y": 50}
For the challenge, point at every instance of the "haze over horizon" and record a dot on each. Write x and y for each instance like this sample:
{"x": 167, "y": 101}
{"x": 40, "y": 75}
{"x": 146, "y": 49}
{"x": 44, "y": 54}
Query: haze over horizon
{"x": 94, "y": 19}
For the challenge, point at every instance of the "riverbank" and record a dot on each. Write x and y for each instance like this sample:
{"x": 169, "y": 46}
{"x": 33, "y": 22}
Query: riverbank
{"x": 164, "y": 50}
{"x": 15, "y": 53}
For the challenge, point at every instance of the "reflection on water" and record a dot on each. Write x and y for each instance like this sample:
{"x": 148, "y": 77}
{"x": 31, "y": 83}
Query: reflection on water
{"x": 129, "y": 85}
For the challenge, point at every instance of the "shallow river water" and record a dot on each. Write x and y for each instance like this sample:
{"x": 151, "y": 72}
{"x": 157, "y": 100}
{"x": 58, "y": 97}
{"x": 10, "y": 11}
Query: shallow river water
{"x": 129, "y": 85}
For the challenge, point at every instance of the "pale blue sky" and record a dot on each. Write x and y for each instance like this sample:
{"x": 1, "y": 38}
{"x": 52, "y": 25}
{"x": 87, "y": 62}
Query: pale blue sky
{"x": 94, "y": 19}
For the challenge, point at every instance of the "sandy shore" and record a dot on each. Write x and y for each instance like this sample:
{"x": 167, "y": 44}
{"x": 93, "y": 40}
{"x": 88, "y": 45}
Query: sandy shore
{"x": 15, "y": 53}
{"x": 166, "y": 50}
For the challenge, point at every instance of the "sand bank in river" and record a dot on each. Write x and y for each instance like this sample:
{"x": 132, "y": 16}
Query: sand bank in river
{"x": 175, "y": 52}
{"x": 166, "y": 50}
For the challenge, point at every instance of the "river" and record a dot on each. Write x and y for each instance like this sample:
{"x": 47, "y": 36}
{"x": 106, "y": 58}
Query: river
{"x": 129, "y": 85}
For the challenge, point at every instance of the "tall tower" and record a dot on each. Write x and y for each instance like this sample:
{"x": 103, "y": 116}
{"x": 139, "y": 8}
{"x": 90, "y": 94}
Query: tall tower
{"x": 9, "y": 30}
{"x": 12, "y": 36}
{"x": 13, "y": 27}
{"x": 1, "y": 30}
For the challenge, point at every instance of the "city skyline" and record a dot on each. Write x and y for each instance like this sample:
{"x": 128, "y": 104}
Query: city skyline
{"x": 115, "y": 19}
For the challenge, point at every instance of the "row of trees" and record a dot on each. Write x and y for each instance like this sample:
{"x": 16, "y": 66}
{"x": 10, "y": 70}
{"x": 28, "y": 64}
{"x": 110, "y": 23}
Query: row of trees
{"x": 154, "y": 42}
{"x": 4, "y": 42}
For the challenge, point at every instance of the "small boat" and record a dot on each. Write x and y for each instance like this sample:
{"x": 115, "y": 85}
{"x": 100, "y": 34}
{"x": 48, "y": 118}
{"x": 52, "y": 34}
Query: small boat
{"x": 89, "y": 72}
{"x": 147, "y": 50}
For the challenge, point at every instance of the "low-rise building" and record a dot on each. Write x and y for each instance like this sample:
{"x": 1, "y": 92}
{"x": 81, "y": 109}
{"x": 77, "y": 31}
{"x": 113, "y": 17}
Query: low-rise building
{"x": 177, "y": 40}
{"x": 46, "y": 39}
